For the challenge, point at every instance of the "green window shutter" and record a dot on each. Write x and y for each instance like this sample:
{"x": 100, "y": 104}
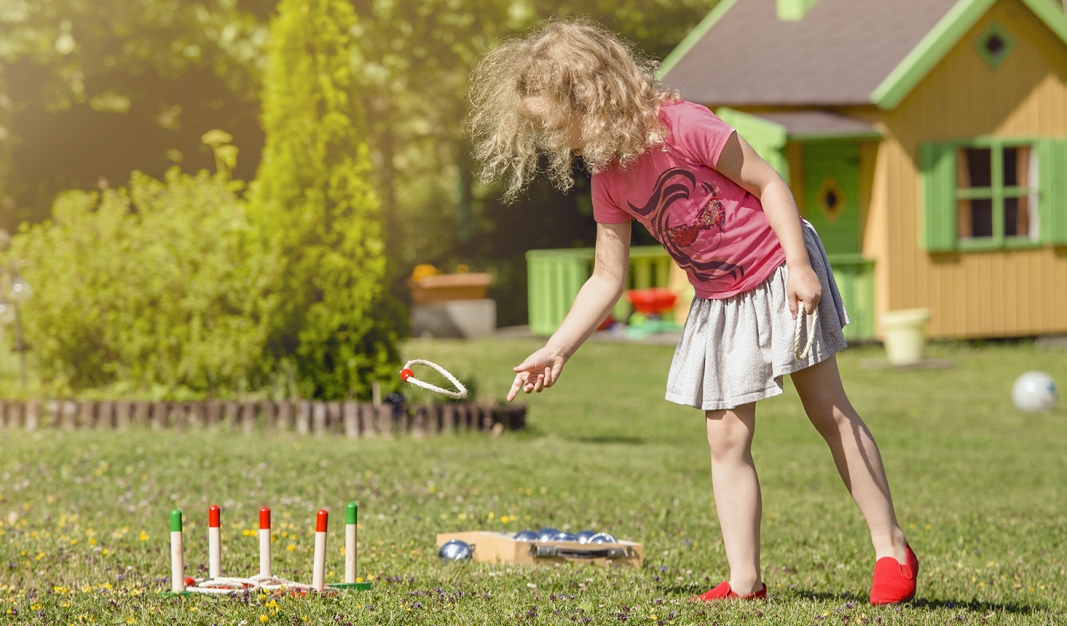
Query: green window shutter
{"x": 938, "y": 163}
{"x": 1052, "y": 186}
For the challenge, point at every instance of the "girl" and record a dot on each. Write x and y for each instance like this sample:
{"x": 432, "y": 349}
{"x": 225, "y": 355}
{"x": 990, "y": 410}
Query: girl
{"x": 730, "y": 221}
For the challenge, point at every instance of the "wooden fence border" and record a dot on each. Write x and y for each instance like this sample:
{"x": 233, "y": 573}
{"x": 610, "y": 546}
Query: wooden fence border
{"x": 316, "y": 418}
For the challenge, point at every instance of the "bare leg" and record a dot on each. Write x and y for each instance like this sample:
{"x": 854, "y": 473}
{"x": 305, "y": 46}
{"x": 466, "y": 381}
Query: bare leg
{"x": 737, "y": 493}
{"x": 855, "y": 453}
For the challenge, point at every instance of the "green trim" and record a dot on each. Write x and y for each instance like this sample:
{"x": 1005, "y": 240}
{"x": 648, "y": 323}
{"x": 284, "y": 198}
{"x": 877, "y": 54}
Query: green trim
{"x": 693, "y": 37}
{"x": 1052, "y": 14}
{"x": 929, "y": 52}
{"x": 943, "y": 37}
{"x": 816, "y": 137}
{"x": 793, "y": 10}
{"x": 753, "y": 128}
{"x": 994, "y": 30}
{"x": 766, "y": 137}
{"x": 351, "y": 513}
{"x": 991, "y": 244}
{"x": 848, "y": 258}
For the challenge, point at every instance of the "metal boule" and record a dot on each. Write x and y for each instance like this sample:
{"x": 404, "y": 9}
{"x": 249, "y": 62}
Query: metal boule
{"x": 603, "y": 538}
{"x": 584, "y": 535}
{"x": 455, "y": 551}
{"x": 546, "y": 534}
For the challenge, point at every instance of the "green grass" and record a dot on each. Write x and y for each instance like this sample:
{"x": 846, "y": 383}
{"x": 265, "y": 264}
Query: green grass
{"x": 979, "y": 489}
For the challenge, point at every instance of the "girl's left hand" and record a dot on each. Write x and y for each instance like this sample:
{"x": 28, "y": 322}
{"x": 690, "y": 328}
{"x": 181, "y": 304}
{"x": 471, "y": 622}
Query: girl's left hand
{"x": 803, "y": 286}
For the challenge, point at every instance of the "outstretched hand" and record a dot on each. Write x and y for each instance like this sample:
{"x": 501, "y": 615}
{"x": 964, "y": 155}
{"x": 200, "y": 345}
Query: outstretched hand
{"x": 539, "y": 371}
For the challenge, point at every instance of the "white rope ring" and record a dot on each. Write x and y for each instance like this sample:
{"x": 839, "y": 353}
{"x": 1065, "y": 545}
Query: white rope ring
{"x": 408, "y": 376}
{"x": 230, "y": 585}
{"x": 813, "y": 319}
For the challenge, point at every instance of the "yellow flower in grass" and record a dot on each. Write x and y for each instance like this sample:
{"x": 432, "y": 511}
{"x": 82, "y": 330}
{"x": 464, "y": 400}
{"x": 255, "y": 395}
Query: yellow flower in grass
{"x": 263, "y": 618}
{"x": 290, "y": 547}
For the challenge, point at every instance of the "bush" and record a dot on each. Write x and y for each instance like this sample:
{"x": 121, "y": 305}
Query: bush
{"x": 314, "y": 204}
{"x": 157, "y": 285}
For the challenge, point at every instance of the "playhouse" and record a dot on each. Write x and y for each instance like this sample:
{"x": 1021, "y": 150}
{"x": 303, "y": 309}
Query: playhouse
{"x": 926, "y": 140}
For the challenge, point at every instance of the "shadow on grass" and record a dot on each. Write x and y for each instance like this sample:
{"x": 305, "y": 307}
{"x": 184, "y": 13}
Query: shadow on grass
{"x": 921, "y": 604}
{"x": 630, "y": 441}
{"x": 924, "y": 604}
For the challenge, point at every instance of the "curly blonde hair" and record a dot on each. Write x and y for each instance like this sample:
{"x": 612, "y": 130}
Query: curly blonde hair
{"x": 567, "y": 88}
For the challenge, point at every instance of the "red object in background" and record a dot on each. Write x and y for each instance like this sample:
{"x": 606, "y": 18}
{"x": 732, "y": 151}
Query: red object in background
{"x": 654, "y": 300}
{"x": 607, "y": 323}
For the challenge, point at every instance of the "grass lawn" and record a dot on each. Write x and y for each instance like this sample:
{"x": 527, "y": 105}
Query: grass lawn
{"x": 979, "y": 488}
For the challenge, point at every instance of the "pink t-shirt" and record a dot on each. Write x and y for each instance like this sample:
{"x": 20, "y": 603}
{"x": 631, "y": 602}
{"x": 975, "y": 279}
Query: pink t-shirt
{"x": 713, "y": 228}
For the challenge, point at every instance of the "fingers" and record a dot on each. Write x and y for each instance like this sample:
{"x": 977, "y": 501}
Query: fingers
{"x": 516, "y": 386}
{"x": 793, "y": 306}
{"x": 528, "y": 383}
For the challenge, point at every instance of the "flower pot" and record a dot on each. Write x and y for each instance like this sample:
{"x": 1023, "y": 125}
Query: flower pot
{"x": 905, "y": 335}
{"x": 449, "y": 287}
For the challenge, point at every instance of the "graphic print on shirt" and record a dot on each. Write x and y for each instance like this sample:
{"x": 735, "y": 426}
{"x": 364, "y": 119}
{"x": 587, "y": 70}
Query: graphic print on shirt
{"x": 677, "y": 184}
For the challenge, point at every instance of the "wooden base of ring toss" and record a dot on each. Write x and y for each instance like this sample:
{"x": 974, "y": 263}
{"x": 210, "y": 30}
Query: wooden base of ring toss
{"x": 494, "y": 547}
{"x": 265, "y": 580}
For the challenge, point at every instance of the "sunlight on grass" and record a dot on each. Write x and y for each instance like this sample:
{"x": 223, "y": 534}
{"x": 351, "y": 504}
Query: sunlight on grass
{"x": 977, "y": 485}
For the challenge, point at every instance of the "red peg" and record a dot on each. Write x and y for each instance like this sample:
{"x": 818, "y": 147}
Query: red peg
{"x": 320, "y": 521}
{"x": 406, "y": 374}
{"x": 190, "y": 582}
{"x": 264, "y": 519}
{"x": 214, "y": 513}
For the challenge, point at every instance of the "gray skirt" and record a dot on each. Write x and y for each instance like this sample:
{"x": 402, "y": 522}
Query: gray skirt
{"x": 735, "y": 351}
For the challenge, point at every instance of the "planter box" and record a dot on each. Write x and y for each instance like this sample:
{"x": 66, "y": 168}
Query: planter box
{"x": 449, "y": 287}
{"x": 454, "y": 319}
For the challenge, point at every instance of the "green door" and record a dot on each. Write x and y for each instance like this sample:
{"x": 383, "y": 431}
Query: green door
{"x": 831, "y": 184}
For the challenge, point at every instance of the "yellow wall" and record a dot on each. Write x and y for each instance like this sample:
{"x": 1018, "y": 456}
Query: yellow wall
{"x": 973, "y": 294}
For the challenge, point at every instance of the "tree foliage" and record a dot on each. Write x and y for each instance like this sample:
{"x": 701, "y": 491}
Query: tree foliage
{"x": 155, "y": 286}
{"x": 315, "y": 205}
{"x": 116, "y": 85}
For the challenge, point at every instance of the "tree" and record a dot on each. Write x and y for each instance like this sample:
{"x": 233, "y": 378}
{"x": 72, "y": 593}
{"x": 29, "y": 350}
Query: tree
{"x": 154, "y": 288}
{"x": 99, "y": 88}
{"x": 315, "y": 205}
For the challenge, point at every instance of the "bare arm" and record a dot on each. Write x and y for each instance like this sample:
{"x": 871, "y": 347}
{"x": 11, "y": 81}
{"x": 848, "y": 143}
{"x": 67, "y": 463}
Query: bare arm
{"x": 740, "y": 163}
{"x": 594, "y": 301}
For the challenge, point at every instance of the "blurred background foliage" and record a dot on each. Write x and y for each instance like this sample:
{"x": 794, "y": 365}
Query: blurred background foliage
{"x": 92, "y": 90}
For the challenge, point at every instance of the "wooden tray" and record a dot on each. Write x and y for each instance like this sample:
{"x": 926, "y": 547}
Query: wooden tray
{"x": 493, "y": 547}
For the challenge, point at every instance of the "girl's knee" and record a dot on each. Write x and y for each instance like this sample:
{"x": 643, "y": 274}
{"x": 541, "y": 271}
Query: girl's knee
{"x": 727, "y": 434}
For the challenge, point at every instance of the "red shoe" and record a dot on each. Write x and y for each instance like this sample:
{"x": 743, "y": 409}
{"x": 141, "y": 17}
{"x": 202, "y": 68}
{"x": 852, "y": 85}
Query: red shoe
{"x": 894, "y": 583}
{"x": 722, "y": 591}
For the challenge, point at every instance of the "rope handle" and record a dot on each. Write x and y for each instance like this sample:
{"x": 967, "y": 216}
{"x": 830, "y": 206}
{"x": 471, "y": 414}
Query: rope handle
{"x": 408, "y": 376}
{"x": 813, "y": 323}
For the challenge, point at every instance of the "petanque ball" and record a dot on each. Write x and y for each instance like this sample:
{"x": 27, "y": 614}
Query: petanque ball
{"x": 455, "y": 551}
{"x": 1034, "y": 391}
{"x": 562, "y": 536}
{"x": 525, "y": 535}
{"x": 603, "y": 538}
{"x": 584, "y": 535}
{"x": 547, "y": 534}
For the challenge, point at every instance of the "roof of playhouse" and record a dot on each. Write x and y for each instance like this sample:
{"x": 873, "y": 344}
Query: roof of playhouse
{"x": 824, "y": 52}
